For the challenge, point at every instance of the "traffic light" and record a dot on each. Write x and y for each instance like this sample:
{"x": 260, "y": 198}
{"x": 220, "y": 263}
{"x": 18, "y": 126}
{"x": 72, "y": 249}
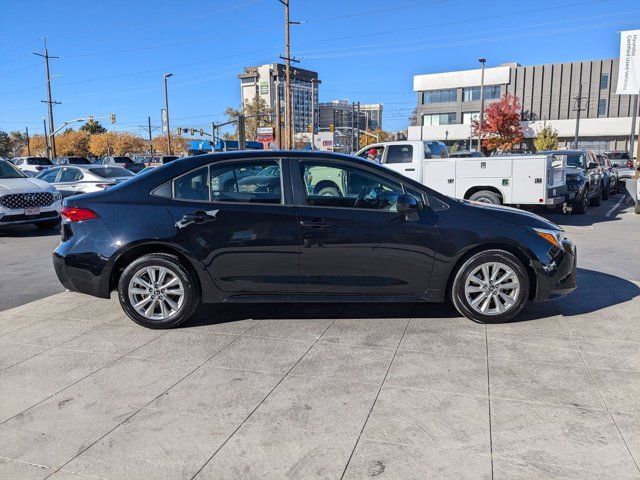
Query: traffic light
{"x": 179, "y": 131}
{"x": 113, "y": 117}
{"x": 202, "y": 132}
{"x": 309, "y": 128}
{"x": 193, "y": 132}
{"x": 332, "y": 127}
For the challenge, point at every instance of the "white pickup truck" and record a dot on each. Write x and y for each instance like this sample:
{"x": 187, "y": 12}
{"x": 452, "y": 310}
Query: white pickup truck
{"x": 502, "y": 180}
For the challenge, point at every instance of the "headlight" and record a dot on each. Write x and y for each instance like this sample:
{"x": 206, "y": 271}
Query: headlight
{"x": 554, "y": 237}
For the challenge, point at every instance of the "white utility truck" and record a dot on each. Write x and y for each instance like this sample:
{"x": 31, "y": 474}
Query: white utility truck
{"x": 522, "y": 180}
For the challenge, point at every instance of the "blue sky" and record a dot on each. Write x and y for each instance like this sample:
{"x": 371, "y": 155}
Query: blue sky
{"x": 114, "y": 53}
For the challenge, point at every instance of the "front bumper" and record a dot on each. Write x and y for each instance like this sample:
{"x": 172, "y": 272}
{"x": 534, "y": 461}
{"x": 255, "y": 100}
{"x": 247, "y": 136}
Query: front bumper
{"x": 557, "y": 278}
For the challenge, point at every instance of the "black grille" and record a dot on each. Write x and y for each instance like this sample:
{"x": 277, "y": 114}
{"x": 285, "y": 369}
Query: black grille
{"x": 24, "y": 218}
{"x": 18, "y": 201}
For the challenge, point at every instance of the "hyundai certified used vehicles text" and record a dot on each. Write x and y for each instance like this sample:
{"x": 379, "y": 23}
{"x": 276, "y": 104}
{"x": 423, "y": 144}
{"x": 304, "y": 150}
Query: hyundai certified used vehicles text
{"x": 27, "y": 200}
{"x": 260, "y": 226}
{"x": 75, "y": 179}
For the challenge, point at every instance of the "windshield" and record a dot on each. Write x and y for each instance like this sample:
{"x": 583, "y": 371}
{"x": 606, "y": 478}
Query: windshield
{"x": 111, "y": 172}
{"x": 576, "y": 160}
{"x": 38, "y": 161}
{"x": 7, "y": 170}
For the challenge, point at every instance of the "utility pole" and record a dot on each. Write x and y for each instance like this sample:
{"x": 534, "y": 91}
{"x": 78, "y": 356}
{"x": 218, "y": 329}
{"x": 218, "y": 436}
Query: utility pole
{"x": 313, "y": 114}
{"x": 166, "y": 109}
{"x": 577, "y": 108}
{"x": 278, "y": 117}
{"x": 213, "y": 137}
{"x": 46, "y": 137}
{"x": 287, "y": 58}
{"x": 358, "y": 128}
{"x": 150, "y": 139}
{"x": 483, "y": 61}
{"x": 241, "y": 133}
{"x": 28, "y": 143}
{"x": 49, "y": 100}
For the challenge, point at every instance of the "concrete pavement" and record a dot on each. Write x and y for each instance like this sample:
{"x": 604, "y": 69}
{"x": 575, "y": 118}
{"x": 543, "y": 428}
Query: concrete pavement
{"x": 335, "y": 391}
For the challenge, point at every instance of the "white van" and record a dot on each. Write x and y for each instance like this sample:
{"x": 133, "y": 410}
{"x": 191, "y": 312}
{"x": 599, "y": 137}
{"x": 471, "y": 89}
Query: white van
{"x": 501, "y": 180}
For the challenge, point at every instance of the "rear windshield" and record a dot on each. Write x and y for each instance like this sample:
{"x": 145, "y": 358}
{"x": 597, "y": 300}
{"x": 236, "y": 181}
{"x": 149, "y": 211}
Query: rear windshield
{"x": 78, "y": 161}
{"x": 111, "y": 172}
{"x": 7, "y": 170}
{"x": 618, "y": 155}
{"x": 122, "y": 160}
{"x": 38, "y": 161}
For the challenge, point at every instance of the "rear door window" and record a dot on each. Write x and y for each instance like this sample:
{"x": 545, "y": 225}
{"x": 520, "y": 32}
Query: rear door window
{"x": 192, "y": 186}
{"x": 70, "y": 175}
{"x": 256, "y": 181}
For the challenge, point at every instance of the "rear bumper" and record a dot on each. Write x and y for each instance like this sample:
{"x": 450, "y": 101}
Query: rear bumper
{"x": 557, "y": 278}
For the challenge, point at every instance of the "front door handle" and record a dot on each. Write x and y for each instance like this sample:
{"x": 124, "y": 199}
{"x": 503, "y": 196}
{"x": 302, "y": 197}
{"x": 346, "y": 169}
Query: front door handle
{"x": 197, "y": 217}
{"x": 315, "y": 223}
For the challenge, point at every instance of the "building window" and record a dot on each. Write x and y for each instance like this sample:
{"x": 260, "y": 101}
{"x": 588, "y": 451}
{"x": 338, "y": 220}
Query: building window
{"x": 491, "y": 92}
{"x": 439, "y": 119}
{"x": 602, "y": 107}
{"x": 468, "y": 117}
{"x": 439, "y": 96}
{"x": 604, "y": 81}
{"x": 249, "y": 80}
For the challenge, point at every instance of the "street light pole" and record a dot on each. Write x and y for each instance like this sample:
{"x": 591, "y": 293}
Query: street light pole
{"x": 313, "y": 114}
{"x": 166, "y": 109}
{"x": 480, "y": 120}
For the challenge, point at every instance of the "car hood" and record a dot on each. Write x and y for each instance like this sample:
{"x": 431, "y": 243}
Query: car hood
{"x": 20, "y": 184}
{"x": 513, "y": 215}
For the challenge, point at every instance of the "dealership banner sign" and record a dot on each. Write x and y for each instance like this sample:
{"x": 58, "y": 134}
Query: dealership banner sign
{"x": 629, "y": 69}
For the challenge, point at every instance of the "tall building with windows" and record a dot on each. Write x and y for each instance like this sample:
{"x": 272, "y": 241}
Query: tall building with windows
{"x": 268, "y": 81}
{"x": 448, "y": 102}
{"x": 343, "y": 114}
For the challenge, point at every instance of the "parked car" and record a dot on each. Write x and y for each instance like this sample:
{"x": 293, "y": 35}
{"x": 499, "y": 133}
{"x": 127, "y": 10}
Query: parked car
{"x": 71, "y": 161}
{"x": 623, "y": 165}
{"x": 72, "y": 180}
{"x": 159, "y": 160}
{"x": 27, "y": 200}
{"x": 609, "y": 176}
{"x": 175, "y": 237}
{"x": 32, "y": 166}
{"x": 121, "y": 161}
{"x": 584, "y": 178}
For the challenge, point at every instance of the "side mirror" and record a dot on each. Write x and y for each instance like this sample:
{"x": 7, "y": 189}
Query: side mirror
{"x": 592, "y": 165}
{"x": 407, "y": 207}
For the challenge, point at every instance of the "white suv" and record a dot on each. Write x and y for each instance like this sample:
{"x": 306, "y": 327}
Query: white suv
{"x": 32, "y": 166}
{"x": 27, "y": 200}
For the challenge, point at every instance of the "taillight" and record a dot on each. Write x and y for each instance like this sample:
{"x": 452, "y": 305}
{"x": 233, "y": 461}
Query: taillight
{"x": 629, "y": 163}
{"x": 77, "y": 214}
{"x": 103, "y": 186}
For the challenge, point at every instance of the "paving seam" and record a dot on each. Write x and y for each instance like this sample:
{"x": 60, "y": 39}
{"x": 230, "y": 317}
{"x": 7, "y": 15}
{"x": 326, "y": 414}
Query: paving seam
{"x": 377, "y": 395}
{"x": 262, "y": 401}
{"x": 152, "y": 400}
{"x": 600, "y": 393}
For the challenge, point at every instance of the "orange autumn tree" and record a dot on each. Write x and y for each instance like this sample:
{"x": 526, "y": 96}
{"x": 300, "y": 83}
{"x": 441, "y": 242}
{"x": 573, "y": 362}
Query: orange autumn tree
{"x": 501, "y": 128}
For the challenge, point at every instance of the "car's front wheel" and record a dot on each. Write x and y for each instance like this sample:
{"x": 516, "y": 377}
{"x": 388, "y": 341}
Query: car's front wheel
{"x": 158, "y": 291}
{"x": 491, "y": 287}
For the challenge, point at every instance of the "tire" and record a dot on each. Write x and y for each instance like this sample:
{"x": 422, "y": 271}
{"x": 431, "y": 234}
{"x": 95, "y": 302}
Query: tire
{"x": 328, "y": 192}
{"x": 597, "y": 200}
{"x": 159, "y": 317}
{"x": 605, "y": 192}
{"x": 637, "y": 209}
{"x": 486, "y": 196}
{"x": 580, "y": 206}
{"x": 505, "y": 263}
{"x": 48, "y": 225}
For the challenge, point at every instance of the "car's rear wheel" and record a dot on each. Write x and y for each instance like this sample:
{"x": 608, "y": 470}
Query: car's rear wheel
{"x": 491, "y": 287}
{"x": 605, "y": 192}
{"x": 581, "y": 204}
{"x": 158, "y": 291}
{"x": 597, "y": 200}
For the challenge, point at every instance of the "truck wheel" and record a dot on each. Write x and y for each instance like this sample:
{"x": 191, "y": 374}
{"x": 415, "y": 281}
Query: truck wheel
{"x": 486, "y": 196}
{"x": 491, "y": 287}
{"x": 605, "y": 192}
{"x": 580, "y": 205}
{"x": 597, "y": 200}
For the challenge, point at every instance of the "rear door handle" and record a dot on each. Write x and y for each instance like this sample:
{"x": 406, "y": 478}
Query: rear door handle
{"x": 197, "y": 217}
{"x": 316, "y": 223}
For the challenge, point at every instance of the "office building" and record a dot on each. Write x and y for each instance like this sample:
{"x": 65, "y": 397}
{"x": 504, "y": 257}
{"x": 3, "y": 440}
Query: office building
{"x": 268, "y": 81}
{"x": 448, "y": 102}
{"x": 343, "y": 114}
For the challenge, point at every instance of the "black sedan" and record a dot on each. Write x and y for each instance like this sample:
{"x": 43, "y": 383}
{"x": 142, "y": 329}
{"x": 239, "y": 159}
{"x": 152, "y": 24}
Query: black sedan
{"x": 198, "y": 230}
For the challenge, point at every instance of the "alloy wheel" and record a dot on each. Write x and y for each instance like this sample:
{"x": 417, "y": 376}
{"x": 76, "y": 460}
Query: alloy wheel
{"x": 156, "y": 293}
{"x": 492, "y": 288}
